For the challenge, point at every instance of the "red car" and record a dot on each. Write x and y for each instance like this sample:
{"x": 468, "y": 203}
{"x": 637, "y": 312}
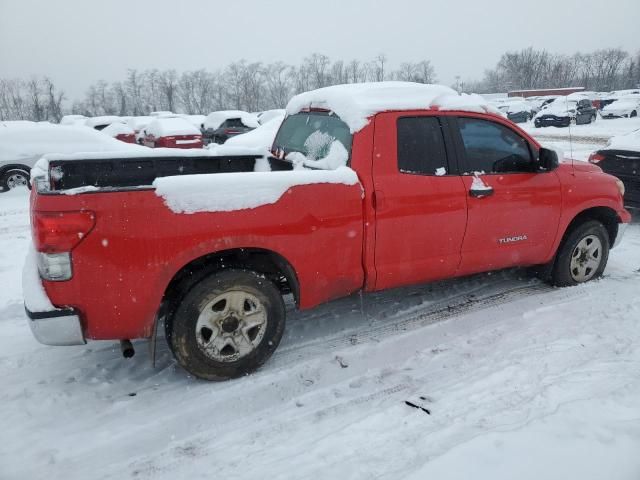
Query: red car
{"x": 172, "y": 132}
{"x": 121, "y": 131}
{"x": 371, "y": 187}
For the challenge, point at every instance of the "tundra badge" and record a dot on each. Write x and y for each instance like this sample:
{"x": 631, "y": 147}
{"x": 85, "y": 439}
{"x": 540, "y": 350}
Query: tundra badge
{"x": 518, "y": 238}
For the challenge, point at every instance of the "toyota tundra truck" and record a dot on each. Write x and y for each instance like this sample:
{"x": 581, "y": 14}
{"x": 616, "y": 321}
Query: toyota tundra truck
{"x": 367, "y": 187}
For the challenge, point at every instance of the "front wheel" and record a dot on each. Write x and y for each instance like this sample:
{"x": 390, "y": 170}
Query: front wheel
{"x": 582, "y": 256}
{"x": 227, "y": 325}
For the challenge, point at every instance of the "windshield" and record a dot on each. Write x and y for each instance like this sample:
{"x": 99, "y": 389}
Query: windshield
{"x": 316, "y": 136}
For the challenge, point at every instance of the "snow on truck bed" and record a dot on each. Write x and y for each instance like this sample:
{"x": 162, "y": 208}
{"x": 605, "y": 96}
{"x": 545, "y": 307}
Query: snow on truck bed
{"x": 355, "y": 103}
{"x": 228, "y": 192}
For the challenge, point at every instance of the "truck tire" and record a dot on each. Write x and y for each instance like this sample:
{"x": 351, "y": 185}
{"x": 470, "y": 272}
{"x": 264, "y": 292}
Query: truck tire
{"x": 227, "y": 325}
{"x": 582, "y": 255}
{"x": 14, "y": 178}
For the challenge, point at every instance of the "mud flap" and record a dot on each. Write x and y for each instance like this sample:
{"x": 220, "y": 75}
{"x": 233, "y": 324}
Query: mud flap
{"x": 153, "y": 341}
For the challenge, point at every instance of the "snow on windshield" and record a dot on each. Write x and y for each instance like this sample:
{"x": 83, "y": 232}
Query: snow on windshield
{"x": 314, "y": 139}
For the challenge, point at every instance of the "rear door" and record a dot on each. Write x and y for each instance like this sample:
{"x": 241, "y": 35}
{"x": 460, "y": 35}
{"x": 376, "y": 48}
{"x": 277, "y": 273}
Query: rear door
{"x": 513, "y": 209}
{"x": 420, "y": 201}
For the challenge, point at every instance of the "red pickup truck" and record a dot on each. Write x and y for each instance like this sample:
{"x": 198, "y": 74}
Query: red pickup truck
{"x": 368, "y": 187}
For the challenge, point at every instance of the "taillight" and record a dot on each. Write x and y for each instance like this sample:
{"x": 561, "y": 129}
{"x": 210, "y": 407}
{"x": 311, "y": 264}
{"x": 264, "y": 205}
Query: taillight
{"x": 596, "y": 157}
{"x": 59, "y": 232}
{"x": 229, "y": 131}
{"x": 126, "y": 137}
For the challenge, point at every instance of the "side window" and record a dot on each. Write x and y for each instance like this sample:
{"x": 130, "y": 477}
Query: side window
{"x": 421, "y": 148}
{"x": 492, "y": 148}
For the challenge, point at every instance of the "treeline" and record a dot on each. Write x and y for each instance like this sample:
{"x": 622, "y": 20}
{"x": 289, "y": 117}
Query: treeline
{"x": 35, "y": 99}
{"x": 240, "y": 86}
{"x": 603, "y": 70}
{"x": 255, "y": 86}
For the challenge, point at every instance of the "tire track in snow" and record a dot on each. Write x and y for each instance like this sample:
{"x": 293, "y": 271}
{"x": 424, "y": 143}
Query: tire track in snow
{"x": 441, "y": 311}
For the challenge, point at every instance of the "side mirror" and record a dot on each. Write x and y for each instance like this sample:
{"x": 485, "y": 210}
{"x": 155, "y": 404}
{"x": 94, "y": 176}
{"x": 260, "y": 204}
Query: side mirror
{"x": 547, "y": 159}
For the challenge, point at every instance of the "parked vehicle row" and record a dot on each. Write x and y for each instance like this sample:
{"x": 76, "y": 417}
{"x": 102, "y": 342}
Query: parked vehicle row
{"x": 565, "y": 110}
{"x": 578, "y": 107}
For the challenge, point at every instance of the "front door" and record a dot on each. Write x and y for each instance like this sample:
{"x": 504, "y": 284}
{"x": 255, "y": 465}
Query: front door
{"x": 513, "y": 209}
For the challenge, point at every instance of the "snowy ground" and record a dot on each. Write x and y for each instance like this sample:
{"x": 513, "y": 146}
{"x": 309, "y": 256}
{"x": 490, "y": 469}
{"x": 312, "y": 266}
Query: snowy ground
{"x": 521, "y": 381}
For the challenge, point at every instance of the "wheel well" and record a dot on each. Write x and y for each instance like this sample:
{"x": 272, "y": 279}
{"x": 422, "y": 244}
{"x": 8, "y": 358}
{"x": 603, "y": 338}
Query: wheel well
{"x": 270, "y": 264}
{"x": 607, "y": 216}
{"x": 17, "y": 166}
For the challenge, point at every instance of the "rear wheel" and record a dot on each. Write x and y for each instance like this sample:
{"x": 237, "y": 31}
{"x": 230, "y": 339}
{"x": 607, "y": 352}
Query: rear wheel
{"x": 227, "y": 325}
{"x": 14, "y": 178}
{"x": 633, "y": 114}
{"x": 582, "y": 256}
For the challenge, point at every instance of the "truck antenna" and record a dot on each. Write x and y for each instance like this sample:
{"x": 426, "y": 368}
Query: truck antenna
{"x": 573, "y": 171}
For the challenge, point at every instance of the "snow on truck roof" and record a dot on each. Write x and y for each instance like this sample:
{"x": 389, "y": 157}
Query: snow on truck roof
{"x": 355, "y": 103}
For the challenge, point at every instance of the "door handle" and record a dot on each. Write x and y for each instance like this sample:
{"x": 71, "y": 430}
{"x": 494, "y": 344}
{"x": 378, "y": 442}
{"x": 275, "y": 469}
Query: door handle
{"x": 481, "y": 193}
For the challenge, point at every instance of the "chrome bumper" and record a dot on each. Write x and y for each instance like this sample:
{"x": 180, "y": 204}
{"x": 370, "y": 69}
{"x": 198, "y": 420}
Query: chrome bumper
{"x": 622, "y": 227}
{"x": 57, "y": 327}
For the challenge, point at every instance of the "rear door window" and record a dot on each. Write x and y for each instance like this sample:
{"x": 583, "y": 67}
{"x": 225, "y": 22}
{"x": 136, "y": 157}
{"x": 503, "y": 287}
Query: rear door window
{"x": 421, "y": 147}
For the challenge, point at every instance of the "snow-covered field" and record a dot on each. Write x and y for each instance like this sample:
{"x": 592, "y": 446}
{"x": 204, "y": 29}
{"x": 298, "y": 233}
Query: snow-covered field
{"x": 516, "y": 380}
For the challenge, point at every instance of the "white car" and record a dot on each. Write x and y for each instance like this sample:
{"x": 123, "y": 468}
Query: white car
{"x": 101, "y": 122}
{"x": 22, "y": 145}
{"x": 627, "y": 106}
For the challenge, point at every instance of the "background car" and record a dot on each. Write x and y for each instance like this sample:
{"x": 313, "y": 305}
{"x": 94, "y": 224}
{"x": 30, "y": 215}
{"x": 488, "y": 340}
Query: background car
{"x": 120, "y": 131}
{"x": 563, "y": 111}
{"x": 99, "y": 123}
{"x": 22, "y": 144}
{"x": 268, "y": 115}
{"x": 222, "y": 125}
{"x": 195, "y": 120}
{"x": 261, "y": 137}
{"x": 519, "y": 112}
{"x": 73, "y": 120}
{"x": 626, "y": 106}
{"x": 138, "y": 124}
{"x": 621, "y": 158}
{"x": 172, "y": 132}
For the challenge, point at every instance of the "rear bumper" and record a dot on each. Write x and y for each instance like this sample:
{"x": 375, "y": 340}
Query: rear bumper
{"x": 56, "y": 327}
{"x": 552, "y": 122}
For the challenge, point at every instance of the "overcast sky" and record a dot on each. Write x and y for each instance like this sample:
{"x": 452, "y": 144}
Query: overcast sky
{"x": 77, "y": 42}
